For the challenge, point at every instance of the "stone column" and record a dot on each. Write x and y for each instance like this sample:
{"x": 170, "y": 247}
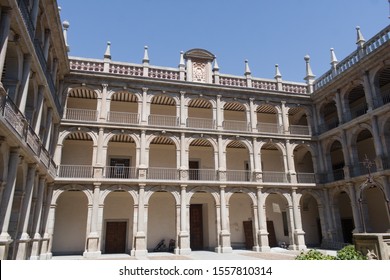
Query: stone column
{"x": 54, "y": 71}
{"x": 219, "y": 113}
{"x": 262, "y": 234}
{"x": 34, "y": 13}
{"x": 224, "y": 245}
{"x": 23, "y": 238}
{"x": 99, "y": 154}
{"x": 5, "y": 23}
{"x": 92, "y": 249}
{"x": 299, "y": 234}
{"x": 258, "y": 174}
{"x": 183, "y": 158}
{"x": 38, "y": 121}
{"x": 368, "y": 91}
{"x": 103, "y": 104}
{"x": 183, "y": 111}
{"x": 355, "y": 208}
{"x": 48, "y": 131}
{"x": 184, "y": 236}
{"x": 377, "y": 143}
{"x": 140, "y": 237}
{"x": 339, "y": 107}
{"x": 253, "y": 116}
{"x": 221, "y": 160}
{"x": 290, "y": 162}
{"x": 145, "y": 111}
{"x": 286, "y": 126}
{"x": 46, "y": 44}
{"x": 48, "y": 225}
{"x": 37, "y": 238}
{"x": 23, "y": 90}
{"x": 6, "y": 203}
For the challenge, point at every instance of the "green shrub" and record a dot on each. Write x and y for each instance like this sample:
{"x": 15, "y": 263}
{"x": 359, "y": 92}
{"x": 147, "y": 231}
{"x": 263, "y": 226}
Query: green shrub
{"x": 349, "y": 253}
{"x": 346, "y": 253}
{"x": 313, "y": 255}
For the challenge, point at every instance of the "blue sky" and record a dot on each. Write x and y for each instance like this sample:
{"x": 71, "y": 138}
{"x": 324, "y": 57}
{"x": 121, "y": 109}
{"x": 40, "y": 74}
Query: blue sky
{"x": 266, "y": 32}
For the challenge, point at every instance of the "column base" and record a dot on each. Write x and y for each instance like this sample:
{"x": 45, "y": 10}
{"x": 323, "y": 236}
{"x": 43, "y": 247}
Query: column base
{"x": 5, "y": 241}
{"x": 225, "y": 246}
{"x": 184, "y": 244}
{"x": 36, "y": 243}
{"x": 262, "y": 236}
{"x": 22, "y": 247}
{"x": 92, "y": 255}
{"x": 300, "y": 240}
{"x": 140, "y": 245}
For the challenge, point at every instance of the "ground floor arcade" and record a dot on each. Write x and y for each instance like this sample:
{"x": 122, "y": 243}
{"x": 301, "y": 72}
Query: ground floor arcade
{"x": 99, "y": 219}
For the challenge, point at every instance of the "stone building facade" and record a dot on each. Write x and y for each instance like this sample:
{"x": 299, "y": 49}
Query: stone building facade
{"x": 99, "y": 156}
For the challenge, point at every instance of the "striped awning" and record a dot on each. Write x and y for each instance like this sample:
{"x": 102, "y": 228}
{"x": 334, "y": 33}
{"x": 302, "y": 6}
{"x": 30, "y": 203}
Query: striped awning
{"x": 124, "y": 96}
{"x": 79, "y": 136}
{"x": 82, "y": 93}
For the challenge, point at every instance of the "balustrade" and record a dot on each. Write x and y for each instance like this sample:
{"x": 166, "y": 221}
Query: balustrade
{"x": 200, "y": 123}
{"x": 123, "y": 117}
{"x": 75, "y": 171}
{"x": 236, "y": 125}
{"x": 162, "y": 120}
{"x": 274, "y": 177}
{"x": 81, "y": 114}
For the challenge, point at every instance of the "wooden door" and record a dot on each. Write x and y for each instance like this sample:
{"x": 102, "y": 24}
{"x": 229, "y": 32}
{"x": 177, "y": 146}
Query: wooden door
{"x": 248, "y": 232}
{"x": 115, "y": 237}
{"x": 196, "y": 227}
{"x": 271, "y": 234}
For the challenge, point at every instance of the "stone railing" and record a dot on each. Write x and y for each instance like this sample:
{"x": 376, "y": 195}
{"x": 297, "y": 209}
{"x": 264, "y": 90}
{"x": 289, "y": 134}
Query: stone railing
{"x": 368, "y": 48}
{"x": 166, "y": 73}
{"x": 11, "y": 115}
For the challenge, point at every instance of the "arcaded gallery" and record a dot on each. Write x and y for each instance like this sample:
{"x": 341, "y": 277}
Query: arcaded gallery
{"x": 101, "y": 157}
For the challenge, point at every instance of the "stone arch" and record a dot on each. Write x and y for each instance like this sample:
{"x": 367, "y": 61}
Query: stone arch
{"x": 114, "y": 92}
{"x": 162, "y": 222}
{"x": 73, "y": 187}
{"x": 242, "y": 218}
{"x": 385, "y": 131}
{"x": 132, "y": 191}
{"x": 279, "y": 220}
{"x": 113, "y": 133}
{"x": 355, "y": 99}
{"x": 342, "y": 200}
{"x": 171, "y": 190}
{"x": 381, "y": 83}
{"x": 13, "y": 68}
{"x": 64, "y": 134}
{"x": 374, "y": 204}
{"x": 249, "y": 192}
{"x": 169, "y": 136}
{"x": 118, "y": 219}
{"x": 313, "y": 223}
{"x": 204, "y": 204}
{"x": 207, "y": 138}
{"x": 71, "y": 221}
{"x": 213, "y": 191}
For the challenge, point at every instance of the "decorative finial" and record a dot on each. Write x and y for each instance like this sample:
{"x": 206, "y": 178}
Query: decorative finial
{"x": 107, "y": 54}
{"x": 65, "y": 25}
{"x": 181, "y": 63}
{"x": 333, "y": 59}
{"x": 247, "y": 70}
{"x": 216, "y": 67}
{"x": 309, "y": 73}
{"x": 59, "y": 9}
{"x": 146, "y": 55}
{"x": 277, "y": 72}
{"x": 360, "y": 39}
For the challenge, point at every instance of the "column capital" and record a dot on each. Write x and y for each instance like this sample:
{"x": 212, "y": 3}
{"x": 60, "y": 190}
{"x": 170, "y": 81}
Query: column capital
{"x": 105, "y": 85}
{"x": 97, "y": 185}
{"x": 145, "y": 89}
{"x": 182, "y": 92}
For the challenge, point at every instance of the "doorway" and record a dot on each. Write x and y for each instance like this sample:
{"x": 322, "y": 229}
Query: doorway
{"x": 196, "y": 227}
{"x": 115, "y": 237}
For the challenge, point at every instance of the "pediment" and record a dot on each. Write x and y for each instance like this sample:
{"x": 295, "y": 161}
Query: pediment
{"x": 199, "y": 54}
